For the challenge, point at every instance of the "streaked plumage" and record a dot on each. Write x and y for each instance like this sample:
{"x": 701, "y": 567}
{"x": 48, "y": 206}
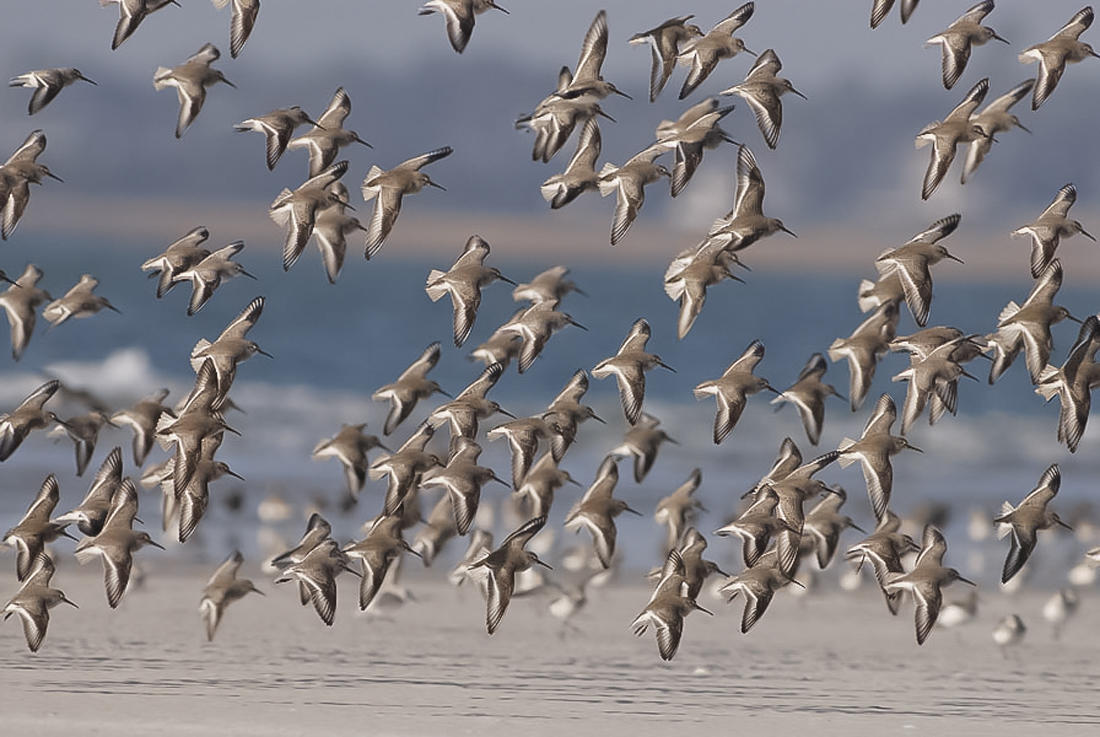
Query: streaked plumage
{"x": 30, "y": 415}
{"x": 241, "y": 22}
{"x": 325, "y": 139}
{"x": 628, "y": 182}
{"x": 459, "y": 16}
{"x": 35, "y": 530}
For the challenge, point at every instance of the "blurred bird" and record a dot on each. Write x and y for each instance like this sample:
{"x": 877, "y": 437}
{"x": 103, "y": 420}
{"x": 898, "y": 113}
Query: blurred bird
{"x": 142, "y": 419}
{"x": 678, "y": 510}
{"x": 207, "y": 275}
{"x": 994, "y": 119}
{"x": 409, "y": 388}
{"x": 78, "y": 302}
{"x": 35, "y": 530}
{"x": 350, "y": 446}
{"x": 20, "y": 302}
{"x": 550, "y": 285}
{"x": 665, "y": 42}
{"x": 29, "y": 416}
{"x": 863, "y": 349}
{"x": 83, "y": 430}
{"x": 642, "y": 441}
{"x": 1060, "y": 608}
{"x": 241, "y": 22}
{"x": 223, "y": 589}
{"x": 597, "y": 509}
{"x": 1009, "y": 631}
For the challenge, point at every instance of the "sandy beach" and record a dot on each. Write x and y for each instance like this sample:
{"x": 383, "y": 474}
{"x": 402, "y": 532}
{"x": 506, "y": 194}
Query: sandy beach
{"x": 429, "y": 668}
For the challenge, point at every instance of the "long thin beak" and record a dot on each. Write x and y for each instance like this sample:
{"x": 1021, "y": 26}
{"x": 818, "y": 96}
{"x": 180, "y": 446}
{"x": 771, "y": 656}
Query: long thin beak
{"x": 257, "y": 591}
{"x": 360, "y": 140}
{"x": 155, "y": 544}
{"x": 605, "y": 115}
{"x": 383, "y": 447}
{"x": 506, "y": 413}
{"x": 1074, "y": 319}
{"x": 68, "y": 601}
{"x": 1088, "y": 235}
{"x": 633, "y": 511}
{"x": 229, "y": 83}
{"x": 600, "y": 420}
{"x": 445, "y": 393}
{"x": 664, "y": 365}
{"x": 841, "y": 396}
{"x": 51, "y": 175}
{"x": 796, "y": 92}
{"x": 854, "y": 526}
{"x": 573, "y": 481}
{"x": 89, "y": 81}
{"x": 913, "y": 447}
{"x": 749, "y": 51}
{"x": 245, "y": 273}
{"x": 955, "y": 258}
{"x": 705, "y": 611}
{"x": 1063, "y": 524}
{"x": 1023, "y": 127}
{"x": 620, "y": 92}
{"x": 576, "y": 324}
{"x": 234, "y": 474}
{"x": 506, "y": 280}
{"x": 544, "y": 564}
{"x": 4, "y": 277}
{"x": 969, "y": 375}
{"x": 672, "y": 440}
{"x": 314, "y": 123}
{"x": 580, "y": 291}
{"x": 1002, "y": 40}
{"x": 437, "y": 186}
{"x": 227, "y": 428}
{"x": 967, "y": 581}
{"x": 788, "y": 231}
{"x": 262, "y": 352}
{"x": 494, "y": 5}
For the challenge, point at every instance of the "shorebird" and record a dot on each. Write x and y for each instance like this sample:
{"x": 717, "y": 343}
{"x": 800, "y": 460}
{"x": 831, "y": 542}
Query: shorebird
{"x": 462, "y": 479}
{"x": 17, "y": 174}
{"x": 665, "y": 41}
{"x": 277, "y": 127}
{"x": 881, "y": 8}
{"x": 755, "y": 527}
{"x": 503, "y": 564}
{"x": 350, "y": 446}
{"x": 197, "y": 420}
{"x": 933, "y": 377}
{"x": 404, "y": 466}
{"x": 670, "y": 603}
{"x": 733, "y": 388}
{"x": 808, "y": 394}
{"x": 690, "y": 273}
{"x": 957, "y": 39}
{"x": 1073, "y": 384}
{"x": 30, "y": 415}
{"x": 911, "y": 263}
{"x": 207, "y": 275}
{"x": 92, "y": 511}
{"x": 33, "y": 601}
{"x": 316, "y": 575}
{"x": 824, "y": 523}
{"x": 550, "y": 285}
{"x": 678, "y": 510}
{"x": 758, "y": 584}
{"x": 130, "y": 15}
{"x": 1057, "y": 52}
{"x": 695, "y": 131}
{"x": 191, "y": 80}
{"x": 463, "y": 282}
{"x": 142, "y": 419}
{"x": 439, "y": 528}
{"x": 958, "y": 611}
{"x": 628, "y": 182}
{"x": 83, "y": 430}
{"x": 459, "y": 16}
{"x": 35, "y": 530}
{"x": 116, "y": 543}
{"x": 535, "y": 325}
{"x": 296, "y": 210}
{"x": 762, "y": 90}
{"x": 389, "y": 187}
{"x": 946, "y": 135}
{"x": 378, "y": 551}
{"x": 463, "y": 413}
{"x": 1028, "y": 327}
{"x": 1009, "y": 631}
{"x": 331, "y": 228}
{"x": 409, "y": 388}
{"x": 317, "y": 531}
{"x": 994, "y": 119}
{"x": 1059, "y": 608}
{"x": 1048, "y": 230}
{"x": 884, "y": 548}
{"x": 20, "y": 302}
{"x": 481, "y": 544}
{"x": 586, "y": 80}
{"x": 46, "y": 83}
{"x": 328, "y": 135}
{"x": 540, "y": 483}
{"x": 230, "y": 348}
{"x": 241, "y": 23}
{"x": 523, "y": 436}
{"x": 629, "y": 366}
{"x": 566, "y": 412}
{"x": 873, "y": 451}
{"x": 704, "y": 51}
{"x": 179, "y": 256}
{"x": 1024, "y": 521}
{"x": 793, "y": 490}
{"x": 642, "y": 441}
{"x": 500, "y": 347}
{"x": 696, "y": 568}
{"x": 191, "y": 502}
{"x": 597, "y": 509}
{"x": 580, "y": 173}
{"x": 78, "y": 302}
{"x": 921, "y": 344}
{"x": 223, "y": 589}
{"x": 746, "y": 223}
{"x": 926, "y": 580}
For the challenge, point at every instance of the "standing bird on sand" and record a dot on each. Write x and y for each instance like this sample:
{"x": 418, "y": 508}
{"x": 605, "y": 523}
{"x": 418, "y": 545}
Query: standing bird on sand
{"x": 350, "y": 446}
{"x": 21, "y": 302}
{"x": 733, "y": 389}
{"x": 223, "y": 589}
{"x": 881, "y": 8}
{"x": 597, "y": 509}
{"x": 30, "y": 415}
{"x": 703, "y": 53}
{"x": 46, "y": 83}
{"x": 667, "y": 607}
{"x": 873, "y": 451}
{"x": 1058, "y": 51}
{"x": 762, "y": 90}
{"x": 629, "y": 366}
{"x": 926, "y": 581}
{"x": 808, "y": 394}
{"x": 911, "y": 264}
{"x": 628, "y": 182}
{"x": 463, "y": 282}
{"x": 1048, "y": 230}
{"x": 78, "y": 302}
{"x": 130, "y": 15}
{"x": 946, "y": 135}
{"x": 241, "y": 23}
{"x": 958, "y": 38}
{"x": 503, "y": 564}
{"x": 33, "y": 601}
{"x": 409, "y": 388}
{"x": 1073, "y": 384}
{"x": 1024, "y": 521}
{"x": 325, "y": 139}
{"x": 459, "y": 16}
{"x": 191, "y": 80}
{"x": 664, "y": 42}
{"x": 277, "y": 127}
{"x": 389, "y": 187}
{"x": 993, "y": 119}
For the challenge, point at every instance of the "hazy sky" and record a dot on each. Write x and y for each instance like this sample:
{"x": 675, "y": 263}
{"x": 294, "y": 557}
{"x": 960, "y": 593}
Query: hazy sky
{"x": 846, "y": 160}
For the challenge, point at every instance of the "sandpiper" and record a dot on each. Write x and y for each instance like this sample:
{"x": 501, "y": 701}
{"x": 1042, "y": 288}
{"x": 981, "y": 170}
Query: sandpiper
{"x": 404, "y": 466}
{"x": 350, "y": 446}
{"x": 755, "y": 527}
{"x": 793, "y": 490}
{"x": 824, "y": 523}
{"x": 241, "y": 22}
{"x": 881, "y": 8}
{"x": 547, "y": 286}
{"x": 130, "y": 15}
{"x": 994, "y": 118}
{"x": 642, "y": 441}
{"x": 223, "y": 589}
{"x": 435, "y": 533}
{"x": 926, "y": 580}
{"x": 191, "y": 80}
{"x": 20, "y": 302}
{"x": 463, "y": 282}
{"x": 758, "y": 584}
{"x": 180, "y": 255}
{"x": 409, "y": 388}
{"x": 316, "y": 575}
{"x": 142, "y": 419}
{"x": 46, "y": 83}
{"x": 885, "y": 548}
{"x": 597, "y": 509}
{"x": 463, "y": 413}
{"x": 198, "y": 419}
{"x": 277, "y": 127}
{"x": 808, "y": 394}
{"x": 678, "y": 510}
{"x": 957, "y": 612}
{"x": 317, "y": 531}
{"x": 535, "y": 325}
{"x": 33, "y": 601}
{"x": 1052, "y": 225}
{"x": 863, "y": 349}
{"x": 695, "y": 131}
{"x": 389, "y": 187}
{"x": 946, "y": 135}
{"x": 325, "y": 139}
{"x": 35, "y": 530}
{"x": 523, "y": 436}
{"x": 960, "y": 37}
{"x": 462, "y": 478}
{"x": 296, "y": 210}
{"x": 230, "y": 348}
{"x": 540, "y": 483}
{"x": 628, "y": 182}
{"x": 704, "y": 52}
{"x": 933, "y": 377}
{"x": 459, "y": 16}
{"x": 1009, "y": 631}
{"x": 1057, "y": 52}
{"x": 667, "y": 607}
{"x": 733, "y": 388}
{"x": 629, "y": 366}
{"x": 1073, "y": 383}
{"x": 746, "y": 223}
{"x": 382, "y": 546}
{"x": 691, "y": 272}
{"x": 500, "y": 347}
{"x": 207, "y": 275}
{"x": 554, "y": 119}
{"x": 580, "y": 173}
{"x": 1059, "y": 608}
{"x": 92, "y": 511}
{"x": 78, "y": 302}
{"x": 83, "y": 430}
{"x": 873, "y": 451}
{"x": 30, "y": 415}
{"x": 762, "y": 90}
{"x": 331, "y": 228}
{"x": 504, "y": 563}
{"x": 1024, "y": 521}
{"x": 190, "y": 504}
{"x": 566, "y": 412}
{"x": 912, "y": 261}
{"x": 665, "y": 41}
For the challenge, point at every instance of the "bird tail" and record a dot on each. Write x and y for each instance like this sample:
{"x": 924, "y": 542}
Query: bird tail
{"x": 866, "y": 302}
{"x": 435, "y": 291}
{"x": 845, "y": 460}
{"x": 160, "y": 76}
{"x": 1004, "y": 528}
{"x": 197, "y": 360}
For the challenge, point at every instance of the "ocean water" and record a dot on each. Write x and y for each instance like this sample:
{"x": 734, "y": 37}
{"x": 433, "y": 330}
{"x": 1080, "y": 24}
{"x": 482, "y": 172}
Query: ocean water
{"x": 334, "y": 344}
